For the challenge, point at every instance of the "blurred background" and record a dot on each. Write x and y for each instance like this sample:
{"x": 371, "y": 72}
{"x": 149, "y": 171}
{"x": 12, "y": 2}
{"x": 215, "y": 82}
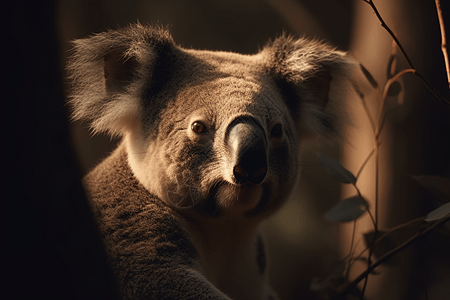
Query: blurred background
{"x": 50, "y": 240}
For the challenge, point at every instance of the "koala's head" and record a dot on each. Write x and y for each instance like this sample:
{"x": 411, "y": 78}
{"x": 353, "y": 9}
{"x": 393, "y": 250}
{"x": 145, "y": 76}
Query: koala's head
{"x": 214, "y": 132}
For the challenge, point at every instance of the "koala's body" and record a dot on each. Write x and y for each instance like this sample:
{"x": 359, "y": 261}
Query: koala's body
{"x": 210, "y": 148}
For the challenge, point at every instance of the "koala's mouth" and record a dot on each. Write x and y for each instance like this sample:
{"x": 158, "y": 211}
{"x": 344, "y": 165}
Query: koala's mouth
{"x": 225, "y": 198}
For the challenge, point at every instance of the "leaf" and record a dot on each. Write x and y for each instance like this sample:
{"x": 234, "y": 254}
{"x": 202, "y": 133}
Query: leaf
{"x": 375, "y": 272}
{"x": 362, "y": 258}
{"x": 336, "y": 169}
{"x": 347, "y": 210}
{"x": 369, "y": 76}
{"x": 438, "y": 213}
{"x": 393, "y": 101}
{"x": 392, "y": 66}
{"x": 357, "y": 90}
{"x": 439, "y": 186}
{"x": 382, "y": 247}
{"x": 394, "y": 89}
{"x": 354, "y": 294}
{"x": 334, "y": 276}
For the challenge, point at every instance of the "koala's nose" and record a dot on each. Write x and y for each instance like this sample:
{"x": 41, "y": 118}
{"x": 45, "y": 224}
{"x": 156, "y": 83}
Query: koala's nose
{"x": 247, "y": 142}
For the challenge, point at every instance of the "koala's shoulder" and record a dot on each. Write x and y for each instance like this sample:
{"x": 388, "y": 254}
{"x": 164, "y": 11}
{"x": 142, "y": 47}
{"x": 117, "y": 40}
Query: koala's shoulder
{"x": 137, "y": 229}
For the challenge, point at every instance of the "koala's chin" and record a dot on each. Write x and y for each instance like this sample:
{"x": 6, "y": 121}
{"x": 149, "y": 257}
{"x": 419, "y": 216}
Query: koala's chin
{"x": 221, "y": 200}
{"x": 239, "y": 199}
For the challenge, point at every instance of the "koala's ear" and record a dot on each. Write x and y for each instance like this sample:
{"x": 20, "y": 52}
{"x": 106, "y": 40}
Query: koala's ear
{"x": 110, "y": 71}
{"x": 314, "y": 80}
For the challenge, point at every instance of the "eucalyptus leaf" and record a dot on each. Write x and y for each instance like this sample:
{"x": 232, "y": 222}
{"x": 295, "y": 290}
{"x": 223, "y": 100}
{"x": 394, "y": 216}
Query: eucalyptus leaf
{"x": 334, "y": 275}
{"x": 438, "y": 213}
{"x": 381, "y": 247}
{"x": 347, "y": 210}
{"x": 439, "y": 186}
{"x": 392, "y": 66}
{"x": 358, "y": 90}
{"x": 369, "y": 76}
{"x": 393, "y": 102}
{"x": 336, "y": 169}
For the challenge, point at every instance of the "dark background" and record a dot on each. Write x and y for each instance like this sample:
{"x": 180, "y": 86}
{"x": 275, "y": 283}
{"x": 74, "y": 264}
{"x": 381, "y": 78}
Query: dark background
{"x": 49, "y": 245}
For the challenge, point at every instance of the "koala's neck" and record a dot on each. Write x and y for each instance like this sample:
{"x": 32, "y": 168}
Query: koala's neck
{"x": 232, "y": 255}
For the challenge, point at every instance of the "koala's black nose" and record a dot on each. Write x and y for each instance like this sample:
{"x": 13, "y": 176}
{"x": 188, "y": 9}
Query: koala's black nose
{"x": 247, "y": 142}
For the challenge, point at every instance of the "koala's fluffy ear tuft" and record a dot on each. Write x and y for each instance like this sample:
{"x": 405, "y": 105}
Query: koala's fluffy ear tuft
{"x": 314, "y": 78}
{"x": 108, "y": 71}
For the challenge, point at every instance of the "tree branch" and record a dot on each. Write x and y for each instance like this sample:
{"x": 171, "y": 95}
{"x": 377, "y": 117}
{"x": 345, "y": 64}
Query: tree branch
{"x": 383, "y": 112}
{"x": 443, "y": 39}
{"x": 384, "y": 25}
{"x": 392, "y": 253}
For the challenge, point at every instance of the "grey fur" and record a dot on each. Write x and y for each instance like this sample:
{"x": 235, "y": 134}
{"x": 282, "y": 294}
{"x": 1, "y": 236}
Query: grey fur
{"x": 144, "y": 237}
{"x": 175, "y": 221}
{"x": 91, "y": 98}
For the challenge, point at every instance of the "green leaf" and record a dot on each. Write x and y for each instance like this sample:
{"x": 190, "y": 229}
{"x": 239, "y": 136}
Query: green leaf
{"x": 369, "y": 76}
{"x": 394, "y": 89}
{"x": 439, "y": 186}
{"x": 347, "y": 210}
{"x": 336, "y": 169}
{"x": 438, "y": 213}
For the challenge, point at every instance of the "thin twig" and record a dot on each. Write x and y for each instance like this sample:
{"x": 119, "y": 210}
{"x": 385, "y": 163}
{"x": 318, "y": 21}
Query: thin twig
{"x": 375, "y": 222}
{"x": 394, "y": 37}
{"x": 392, "y": 253}
{"x": 369, "y": 116}
{"x": 368, "y": 210}
{"x": 369, "y": 264}
{"x": 351, "y": 251}
{"x": 391, "y": 80}
{"x": 364, "y": 163}
{"x": 391, "y": 33}
{"x": 443, "y": 39}
{"x": 386, "y": 233}
{"x": 389, "y": 231}
{"x": 377, "y": 165}
{"x": 401, "y": 226}
{"x": 430, "y": 87}
{"x": 366, "y": 109}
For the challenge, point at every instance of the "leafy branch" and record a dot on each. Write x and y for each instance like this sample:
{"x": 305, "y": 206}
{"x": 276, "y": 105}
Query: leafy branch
{"x": 391, "y": 253}
{"x": 351, "y": 209}
{"x": 408, "y": 60}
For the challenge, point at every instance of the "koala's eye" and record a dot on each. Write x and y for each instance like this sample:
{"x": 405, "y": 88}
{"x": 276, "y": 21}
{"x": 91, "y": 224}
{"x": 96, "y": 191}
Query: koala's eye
{"x": 199, "y": 127}
{"x": 277, "y": 131}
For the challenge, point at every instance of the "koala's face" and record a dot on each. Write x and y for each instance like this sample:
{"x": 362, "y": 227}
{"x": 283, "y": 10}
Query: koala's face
{"x": 217, "y": 133}
{"x": 224, "y": 141}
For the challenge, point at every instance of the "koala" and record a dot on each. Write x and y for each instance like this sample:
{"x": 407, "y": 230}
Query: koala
{"x": 209, "y": 148}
